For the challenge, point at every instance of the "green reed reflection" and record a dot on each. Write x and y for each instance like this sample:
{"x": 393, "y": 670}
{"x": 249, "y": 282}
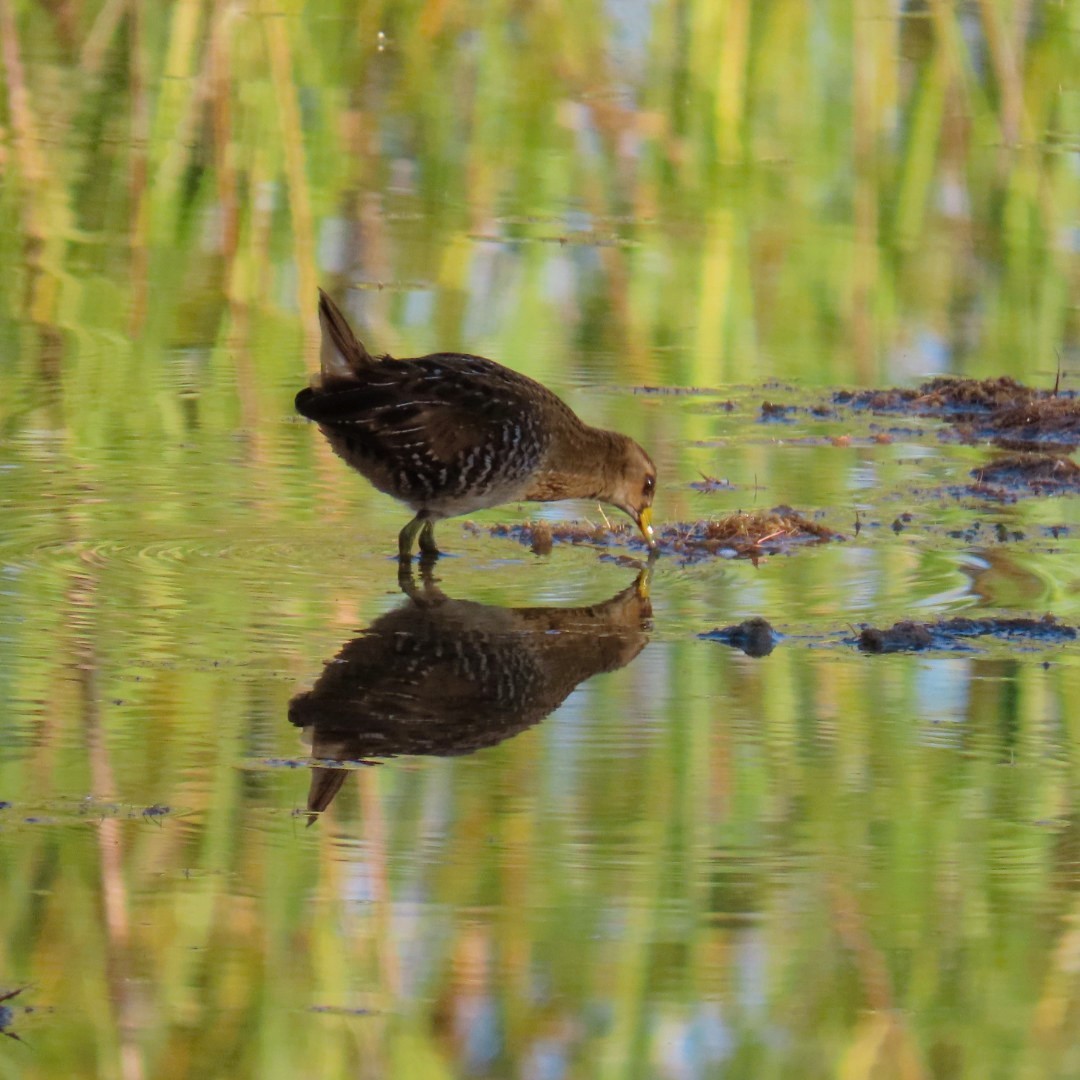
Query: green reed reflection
{"x": 699, "y": 865}
{"x": 752, "y": 188}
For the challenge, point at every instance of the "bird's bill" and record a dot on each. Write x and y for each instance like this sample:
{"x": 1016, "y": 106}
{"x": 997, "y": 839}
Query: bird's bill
{"x": 644, "y": 523}
{"x": 643, "y": 520}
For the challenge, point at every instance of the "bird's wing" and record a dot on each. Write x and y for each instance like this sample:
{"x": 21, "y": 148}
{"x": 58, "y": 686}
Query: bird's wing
{"x": 441, "y": 407}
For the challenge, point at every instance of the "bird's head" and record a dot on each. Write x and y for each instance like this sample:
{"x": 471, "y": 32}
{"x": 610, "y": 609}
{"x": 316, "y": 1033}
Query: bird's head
{"x": 632, "y": 485}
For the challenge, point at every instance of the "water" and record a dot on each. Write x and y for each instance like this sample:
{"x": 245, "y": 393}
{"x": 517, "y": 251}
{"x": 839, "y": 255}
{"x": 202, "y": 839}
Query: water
{"x": 665, "y": 858}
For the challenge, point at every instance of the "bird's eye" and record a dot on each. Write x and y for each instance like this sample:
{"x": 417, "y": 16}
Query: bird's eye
{"x": 650, "y": 484}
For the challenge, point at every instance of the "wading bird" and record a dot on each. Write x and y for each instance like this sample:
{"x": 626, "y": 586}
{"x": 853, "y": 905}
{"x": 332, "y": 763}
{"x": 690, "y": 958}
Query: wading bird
{"x": 449, "y": 434}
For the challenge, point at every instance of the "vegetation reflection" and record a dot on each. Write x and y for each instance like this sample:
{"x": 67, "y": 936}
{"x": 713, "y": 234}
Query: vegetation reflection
{"x": 812, "y": 864}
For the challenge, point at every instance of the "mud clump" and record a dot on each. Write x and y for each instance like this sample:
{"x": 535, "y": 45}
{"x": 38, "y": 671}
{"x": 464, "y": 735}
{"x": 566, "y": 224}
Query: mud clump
{"x": 709, "y": 484}
{"x": 738, "y": 535}
{"x": 771, "y": 410}
{"x": 542, "y": 541}
{"x": 755, "y": 637}
{"x": 1013, "y": 416}
{"x": 1040, "y": 473}
{"x": 1040, "y": 421}
{"x": 947, "y": 633}
{"x": 972, "y": 395}
{"x": 1031, "y": 423}
{"x": 943, "y": 396}
{"x": 901, "y": 637}
{"x": 743, "y": 535}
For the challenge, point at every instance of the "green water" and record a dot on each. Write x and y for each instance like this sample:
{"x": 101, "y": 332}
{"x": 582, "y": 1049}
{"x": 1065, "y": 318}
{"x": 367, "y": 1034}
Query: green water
{"x": 696, "y": 864}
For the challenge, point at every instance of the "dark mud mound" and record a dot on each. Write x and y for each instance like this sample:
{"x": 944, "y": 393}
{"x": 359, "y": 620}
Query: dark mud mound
{"x": 1043, "y": 474}
{"x": 1037, "y": 425}
{"x": 945, "y": 397}
{"x": 900, "y": 637}
{"x": 1013, "y": 416}
{"x": 774, "y": 411}
{"x": 1043, "y": 420}
{"x": 743, "y": 535}
{"x": 738, "y": 535}
{"x": 949, "y": 633}
{"x": 949, "y": 395}
{"x": 755, "y": 637}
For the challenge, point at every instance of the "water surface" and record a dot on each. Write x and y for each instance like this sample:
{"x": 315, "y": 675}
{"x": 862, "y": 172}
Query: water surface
{"x": 661, "y": 858}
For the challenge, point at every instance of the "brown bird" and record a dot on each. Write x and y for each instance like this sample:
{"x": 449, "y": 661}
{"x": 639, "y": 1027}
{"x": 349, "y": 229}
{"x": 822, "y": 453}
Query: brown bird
{"x": 439, "y": 676}
{"x": 450, "y": 433}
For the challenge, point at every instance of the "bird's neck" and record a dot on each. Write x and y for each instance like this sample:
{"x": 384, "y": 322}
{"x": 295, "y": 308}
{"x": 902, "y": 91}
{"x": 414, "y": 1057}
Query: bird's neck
{"x": 578, "y": 465}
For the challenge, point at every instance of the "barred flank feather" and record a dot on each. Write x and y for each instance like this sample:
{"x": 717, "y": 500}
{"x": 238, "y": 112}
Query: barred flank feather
{"x": 451, "y": 433}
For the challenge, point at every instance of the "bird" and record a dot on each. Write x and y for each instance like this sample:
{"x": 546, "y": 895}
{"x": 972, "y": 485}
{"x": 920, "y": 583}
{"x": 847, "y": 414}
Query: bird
{"x": 451, "y": 433}
{"x": 439, "y": 676}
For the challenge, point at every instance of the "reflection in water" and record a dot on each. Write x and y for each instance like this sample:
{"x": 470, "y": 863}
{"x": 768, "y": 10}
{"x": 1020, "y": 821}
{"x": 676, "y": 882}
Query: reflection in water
{"x": 441, "y": 676}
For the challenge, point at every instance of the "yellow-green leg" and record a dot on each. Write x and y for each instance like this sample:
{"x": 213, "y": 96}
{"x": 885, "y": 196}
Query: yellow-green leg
{"x": 407, "y": 537}
{"x": 427, "y": 540}
{"x": 419, "y": 527}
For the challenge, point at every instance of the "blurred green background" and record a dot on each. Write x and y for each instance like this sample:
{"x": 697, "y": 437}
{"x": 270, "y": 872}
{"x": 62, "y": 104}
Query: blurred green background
{"x": 811, "y": 865}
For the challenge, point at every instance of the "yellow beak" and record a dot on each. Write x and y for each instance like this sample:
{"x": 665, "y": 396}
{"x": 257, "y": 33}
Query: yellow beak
{"x": 645, "y": 525}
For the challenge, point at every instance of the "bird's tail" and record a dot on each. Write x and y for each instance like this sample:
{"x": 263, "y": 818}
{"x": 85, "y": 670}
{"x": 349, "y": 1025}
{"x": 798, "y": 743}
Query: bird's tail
{"x": 342, "y": 355}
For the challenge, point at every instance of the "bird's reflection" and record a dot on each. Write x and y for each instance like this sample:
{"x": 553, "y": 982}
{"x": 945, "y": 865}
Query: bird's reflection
{"x": 443, "y": 677}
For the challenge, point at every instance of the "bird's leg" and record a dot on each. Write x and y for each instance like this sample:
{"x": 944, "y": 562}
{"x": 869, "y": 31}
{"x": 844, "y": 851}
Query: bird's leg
{"x": 427, "y": 540}
{"x": 407, "y": 537}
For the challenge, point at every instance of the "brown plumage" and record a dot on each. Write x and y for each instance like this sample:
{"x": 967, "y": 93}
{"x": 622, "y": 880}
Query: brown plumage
{"x": 450, "y": 433}
{"x": 438, "y": 676}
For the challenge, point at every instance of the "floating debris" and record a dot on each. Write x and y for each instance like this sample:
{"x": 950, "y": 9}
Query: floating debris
{"x": 755, "y": 637}
{"x": 7, "y": 1013}
{"x": 738, "y": 535}
{"x": 744, "y": 535}
{"x": 68, "y": 810}
{"x": 910, "y": 636}
{"x": 541, "y": 536}
{"x": 683, "y": 391}
{"x": 343, "y": 1010}
{"x": 709, "y": 484}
